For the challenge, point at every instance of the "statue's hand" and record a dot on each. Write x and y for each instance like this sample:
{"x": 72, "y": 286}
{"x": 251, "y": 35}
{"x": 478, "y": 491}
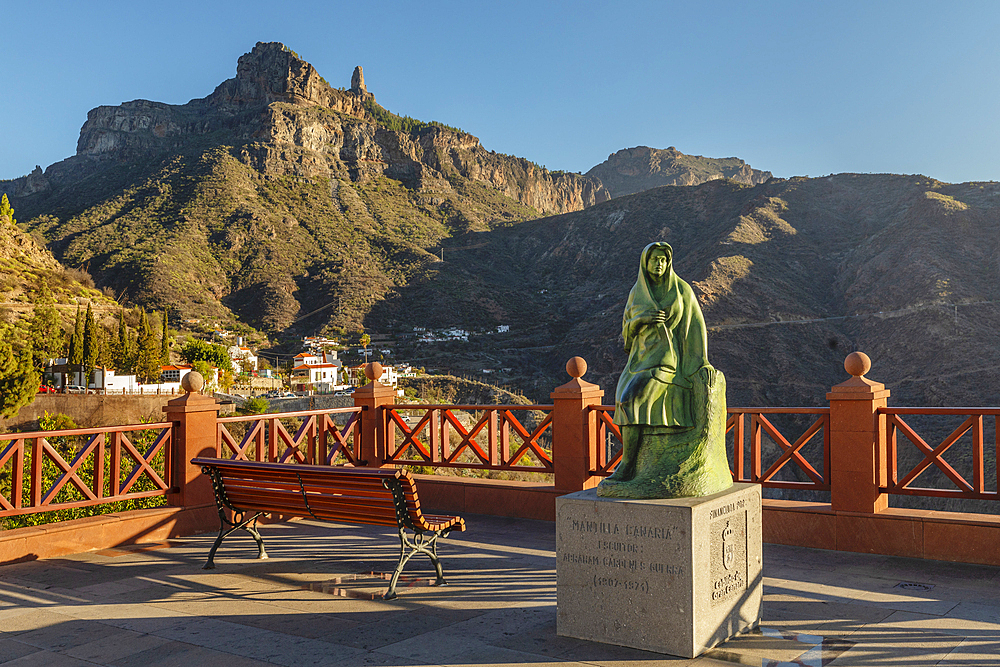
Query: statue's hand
{"x": 707, "y": 375}
{"x": 655, "y": 317}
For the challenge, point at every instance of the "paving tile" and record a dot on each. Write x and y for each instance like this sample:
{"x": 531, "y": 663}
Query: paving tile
{"x": 48, "y": 659}
{"x": 960, "y": 625}
{"x": 291, "y": 651}
{"x": 871, "y": 591}
{"x": 899, "y": 648}
{"x": 609, "y": 655}
{"x": 221, "y": 606}
{"x": 298, "y": 624}
{"x": 823, "y": 618}
{"x": 11, "y": 649}
{"x": 399, "y": 626}
{"x": 112, "y": 588}
{"x": 121, "y": 644}
{"x": 531, "y": 630}
{"x": 374, "y": 659}
{"x": 179, "y": 654}
{"x": 19, "y": 621}
{"x": 68, "y": 634}
{"x": 974, "y": 653}
{"x": 308, "y": 601}
{"x": 198, "y": 631}
{"x": 122, "y": 615}
{"x": 447, "y": 649}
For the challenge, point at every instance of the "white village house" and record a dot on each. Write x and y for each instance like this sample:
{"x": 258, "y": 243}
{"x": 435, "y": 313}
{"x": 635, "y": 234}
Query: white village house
{"x": 244, "y": 360}
{"x": 318, "y": 371}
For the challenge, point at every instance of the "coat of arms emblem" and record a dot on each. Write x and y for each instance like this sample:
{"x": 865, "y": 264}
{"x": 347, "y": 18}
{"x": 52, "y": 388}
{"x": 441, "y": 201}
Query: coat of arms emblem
{"x": 728, "y": 548}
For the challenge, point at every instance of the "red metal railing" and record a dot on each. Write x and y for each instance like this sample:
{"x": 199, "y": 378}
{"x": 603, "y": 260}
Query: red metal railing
{"x": 494, "y": 440}
{"x": 604, "y": 455}
{"x": 975, "y": 463}
{"x": 318, "y": 439}
{"x": 42, "y": 471}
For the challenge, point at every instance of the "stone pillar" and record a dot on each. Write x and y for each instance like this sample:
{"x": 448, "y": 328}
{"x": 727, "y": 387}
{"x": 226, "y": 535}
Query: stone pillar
{"x": 857, "y": 446}
{"x": 372, "y": 397}
{"x": 195, "y": 432}
{"x": 574, "y": 429}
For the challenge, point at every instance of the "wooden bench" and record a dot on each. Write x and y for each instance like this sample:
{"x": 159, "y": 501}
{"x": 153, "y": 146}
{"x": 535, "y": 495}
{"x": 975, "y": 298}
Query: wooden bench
{"x": 381, "y": 497}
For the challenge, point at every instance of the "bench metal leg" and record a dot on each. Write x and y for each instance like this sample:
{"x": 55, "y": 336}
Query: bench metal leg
{"x": 239, "y": 522}
{"x": 424, "y": 543}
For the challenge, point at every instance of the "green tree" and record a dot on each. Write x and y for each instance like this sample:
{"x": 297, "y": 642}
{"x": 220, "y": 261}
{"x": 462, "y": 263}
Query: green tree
{"x": 121, "y": 356}
{"x": 164, "y": 341}
{"x": 45, "y": 333}
{"x": 226, "y": 380}
{"x": 76, "y": 340}
{"x": 6, "y": 212}
{"x": 199, "y": 350}
{"x": 147, "y": 358}
{"x": 365, "y": 341}
{"x": 92, "y": 342}
{"x": 207, "y": 372}
{"x": 257, "y": 405}
{"x": 19, "y": 380}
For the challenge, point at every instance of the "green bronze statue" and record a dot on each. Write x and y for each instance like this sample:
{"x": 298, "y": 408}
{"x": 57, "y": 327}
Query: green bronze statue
{"x": 670, "y": 403}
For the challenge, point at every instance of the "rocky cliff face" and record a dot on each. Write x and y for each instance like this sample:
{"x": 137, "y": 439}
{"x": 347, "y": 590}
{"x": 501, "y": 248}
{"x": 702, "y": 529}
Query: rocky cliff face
{"x": 288, "y": 120}
{"x": 641, "y": 168}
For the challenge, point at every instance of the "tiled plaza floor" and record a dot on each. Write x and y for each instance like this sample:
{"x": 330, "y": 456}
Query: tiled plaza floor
{"x": 306, "y": 605}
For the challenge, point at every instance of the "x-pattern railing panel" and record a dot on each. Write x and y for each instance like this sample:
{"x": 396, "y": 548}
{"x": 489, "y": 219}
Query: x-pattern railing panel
{"x": 508, "y": 442}
{"x": 58, "y": 473}
{"x": 604, "y": 458}
{"x": 791, "y": 452}
{"x": 973, "y": 425}
{"x": 318, "y": 439}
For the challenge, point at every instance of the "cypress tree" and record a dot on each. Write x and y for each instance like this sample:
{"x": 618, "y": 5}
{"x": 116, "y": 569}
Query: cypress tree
{"x": 164, "y": 342}
{"x": 91, "y": 343}
{"x": 44, "y": 331}
{"x": 147, "y": 358}
{"x": 76, "y": 342}
{"x": 122, "y": 357}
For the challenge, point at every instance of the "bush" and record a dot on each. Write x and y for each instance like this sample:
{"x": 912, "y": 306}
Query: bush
{"x": 81, "y": 276}
{"x": 255, "y": 406}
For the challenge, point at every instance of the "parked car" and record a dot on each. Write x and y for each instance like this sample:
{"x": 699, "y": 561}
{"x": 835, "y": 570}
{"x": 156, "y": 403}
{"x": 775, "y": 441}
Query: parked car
{"x": 75, "y": 389}
{"x": 46, "y": 389}
{"x": 288, "y": 394}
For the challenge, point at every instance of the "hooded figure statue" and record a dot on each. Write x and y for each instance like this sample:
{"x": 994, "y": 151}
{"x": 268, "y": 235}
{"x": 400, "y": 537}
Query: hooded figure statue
{"x": 665, "y": 337}
{"x": 670, "y": 403}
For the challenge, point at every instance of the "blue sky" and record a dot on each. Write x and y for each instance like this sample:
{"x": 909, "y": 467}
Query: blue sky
{"x": 797, "y": 88}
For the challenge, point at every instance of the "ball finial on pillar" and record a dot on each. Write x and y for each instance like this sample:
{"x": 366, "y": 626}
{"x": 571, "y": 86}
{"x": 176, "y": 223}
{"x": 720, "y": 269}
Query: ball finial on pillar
{"x": 857, "y": 364}
{"x": 193, "y": 382}
{"x": 576, "y": 367}
{"x": 373, "y": 371}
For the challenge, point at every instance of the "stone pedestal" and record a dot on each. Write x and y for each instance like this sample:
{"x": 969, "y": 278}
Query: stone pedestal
{"x": 674, "y": 576}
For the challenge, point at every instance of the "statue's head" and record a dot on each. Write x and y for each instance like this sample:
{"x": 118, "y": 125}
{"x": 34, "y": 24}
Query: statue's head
{"x": 656, "y": 261}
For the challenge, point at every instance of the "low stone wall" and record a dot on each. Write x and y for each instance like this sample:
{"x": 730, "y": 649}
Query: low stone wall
{"x": 92, "y": 410}
{"x": 89, "y": 410}
{"x": 315, "y": 402}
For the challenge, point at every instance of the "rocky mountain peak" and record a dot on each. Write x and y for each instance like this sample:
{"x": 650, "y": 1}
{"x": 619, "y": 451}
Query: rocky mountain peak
{"x": 358, "y": 81}
{"x": 641, "y": 168}
{"x": 272, "y": 72}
